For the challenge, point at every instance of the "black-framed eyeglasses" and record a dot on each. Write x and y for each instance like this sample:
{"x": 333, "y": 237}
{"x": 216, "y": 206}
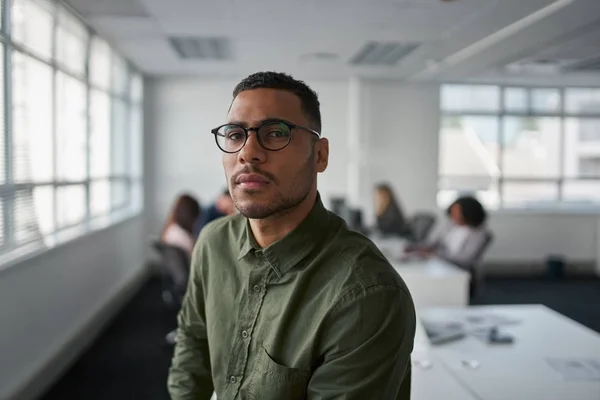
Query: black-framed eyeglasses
{"x": 272, "y": 135}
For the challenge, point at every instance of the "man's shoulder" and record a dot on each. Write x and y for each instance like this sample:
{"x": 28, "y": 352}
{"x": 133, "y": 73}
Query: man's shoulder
{"x": 364, "y": 267}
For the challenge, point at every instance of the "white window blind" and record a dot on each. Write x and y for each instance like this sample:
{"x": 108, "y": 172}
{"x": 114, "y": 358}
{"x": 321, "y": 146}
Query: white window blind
{"x": 119, "y": 137}
{"x": 33, "y": 120}
{"x": 70, "y": 204}
{"x": 119, "y": 75}
{"x": 100, "y": 63}
{"x": 32, "y": 26}
{"x": 71, "y": 150}
{"x": 2, "y": 121}
{"x": 100, "y": 197}
{"x": 100, "y": 134}
{"x": 71, "y": 130}
{"x": 26, "y": 227}
{"x": 71, "y": 42}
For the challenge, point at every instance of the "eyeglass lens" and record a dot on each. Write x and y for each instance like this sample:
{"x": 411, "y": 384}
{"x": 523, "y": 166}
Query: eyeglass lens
{"x": 271, "y": 136}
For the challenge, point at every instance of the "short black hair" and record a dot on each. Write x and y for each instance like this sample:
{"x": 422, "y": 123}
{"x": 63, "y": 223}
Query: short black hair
{"x": 277, "y": 80}
{"x": 473, "y": 212}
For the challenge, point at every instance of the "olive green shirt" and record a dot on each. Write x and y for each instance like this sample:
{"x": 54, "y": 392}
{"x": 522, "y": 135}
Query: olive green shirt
{"x": 320, "y": 314}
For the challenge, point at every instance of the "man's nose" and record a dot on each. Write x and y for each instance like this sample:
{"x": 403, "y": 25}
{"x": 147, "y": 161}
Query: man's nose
{"x": 252, "y": 152}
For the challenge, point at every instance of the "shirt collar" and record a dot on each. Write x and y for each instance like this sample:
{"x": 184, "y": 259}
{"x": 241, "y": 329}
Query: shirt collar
{"x": 293, "y": 247}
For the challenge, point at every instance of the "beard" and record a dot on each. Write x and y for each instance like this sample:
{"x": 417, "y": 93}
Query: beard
{"x": 257, "y": 206}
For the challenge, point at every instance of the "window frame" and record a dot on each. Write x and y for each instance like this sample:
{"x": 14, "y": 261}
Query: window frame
{"x": 503, "y": 111}
{"x": 10, "y": 251}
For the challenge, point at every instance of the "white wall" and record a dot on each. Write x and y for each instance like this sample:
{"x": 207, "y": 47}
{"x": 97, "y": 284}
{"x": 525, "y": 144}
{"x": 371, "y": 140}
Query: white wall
{"x": 49, "y": 299}
{"x": 402, "y": 125}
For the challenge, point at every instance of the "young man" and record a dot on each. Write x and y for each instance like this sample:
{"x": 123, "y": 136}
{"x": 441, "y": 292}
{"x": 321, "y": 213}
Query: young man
{"x": 284, "y": 301}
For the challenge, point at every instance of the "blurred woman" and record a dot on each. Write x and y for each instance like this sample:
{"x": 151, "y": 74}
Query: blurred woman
{"x": 390, "y": 218}
{"x": 463, "y": 238}
{"x": 179, "y": 227}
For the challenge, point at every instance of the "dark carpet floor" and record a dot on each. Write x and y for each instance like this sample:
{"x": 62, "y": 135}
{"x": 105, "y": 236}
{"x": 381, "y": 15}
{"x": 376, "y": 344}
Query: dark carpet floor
{"x": 130, "y": 361}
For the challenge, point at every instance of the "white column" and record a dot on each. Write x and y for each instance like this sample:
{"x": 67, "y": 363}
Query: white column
{"x": 357, "y": 169}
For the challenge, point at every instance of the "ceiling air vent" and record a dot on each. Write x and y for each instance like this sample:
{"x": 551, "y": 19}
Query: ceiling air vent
{"x": 387, "y": 53}
{"x": 202, "y": 48}
{"x": 589, "y": 65}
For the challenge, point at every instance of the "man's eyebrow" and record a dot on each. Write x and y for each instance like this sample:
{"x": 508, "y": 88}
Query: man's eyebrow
{"x": 240, "y": 123}
{"x": 259, "y": 123}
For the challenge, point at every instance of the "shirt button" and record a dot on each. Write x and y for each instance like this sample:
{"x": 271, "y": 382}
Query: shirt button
{"x": 245, "y": 334}
{"x": 256, "y": 288}
{"x": 232, "y": 379}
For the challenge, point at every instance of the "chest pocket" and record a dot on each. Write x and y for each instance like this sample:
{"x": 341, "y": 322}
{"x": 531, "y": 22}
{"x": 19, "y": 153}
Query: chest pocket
{"x": 270, "y": 380}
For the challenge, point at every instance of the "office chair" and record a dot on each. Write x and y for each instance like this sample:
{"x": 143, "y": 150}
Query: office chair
{"x": 476, "y": 269}
{"x": 355, "y": 220}
{"x": 338, "y": 206}
{"x": 420, "y": 226}
{"x": 175, "y": 266}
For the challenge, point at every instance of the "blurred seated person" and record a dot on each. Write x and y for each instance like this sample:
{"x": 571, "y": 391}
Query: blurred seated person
{"x": 222, "y": 207}
{"x": 461, "y": 239}
{"x": 390, "y": 218}
{"x": 179, "y": 227}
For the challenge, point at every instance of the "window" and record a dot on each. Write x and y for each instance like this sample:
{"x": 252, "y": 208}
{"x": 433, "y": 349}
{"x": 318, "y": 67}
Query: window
{"x": 32, "y": 26}
{"x": 71, "y": 42}
{"x": 589, "y": 167}
{"x": 2, "y": 123}
{"x": 519, "y": 147}
{"x": 470, "y": 98}
{"x": 33, "y": 120}
{"x": 71, "y": 131}
{"x": 470, "y": 161}
{"x": 74, "y": 139}
{"x": 100, "y": 63}
{"x": 582, "y": 101}
{"x": 531, "y": 147}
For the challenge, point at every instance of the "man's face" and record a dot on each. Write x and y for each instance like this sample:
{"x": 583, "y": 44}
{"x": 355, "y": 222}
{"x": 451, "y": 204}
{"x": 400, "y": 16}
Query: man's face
{"x": 262, "y": 182}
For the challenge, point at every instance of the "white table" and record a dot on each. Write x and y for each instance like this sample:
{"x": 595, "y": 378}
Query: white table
{"x": 517, "y": 371}
{"x": 432, "y": 282}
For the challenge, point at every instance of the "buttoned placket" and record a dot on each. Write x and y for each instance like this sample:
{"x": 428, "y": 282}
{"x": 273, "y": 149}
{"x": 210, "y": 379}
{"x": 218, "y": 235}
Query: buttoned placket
{"x": 249, "y": 310}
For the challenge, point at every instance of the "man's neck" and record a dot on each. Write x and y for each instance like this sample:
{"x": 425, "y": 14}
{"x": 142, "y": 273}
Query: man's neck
{"x": 267, "y": 231}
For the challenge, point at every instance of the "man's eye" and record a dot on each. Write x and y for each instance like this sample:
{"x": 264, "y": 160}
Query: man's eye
{"x": 277, "y": 134}
{"x": 235, "y": 136}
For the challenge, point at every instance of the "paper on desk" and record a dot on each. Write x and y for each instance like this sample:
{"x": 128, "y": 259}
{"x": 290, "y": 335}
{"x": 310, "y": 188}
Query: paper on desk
{"x": 580, "y": 369}
{"x": 470, "y": 321}
{"x": 479, "y": 319}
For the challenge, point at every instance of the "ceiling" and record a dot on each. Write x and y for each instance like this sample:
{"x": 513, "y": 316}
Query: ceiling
{"x": 430, "y": 39}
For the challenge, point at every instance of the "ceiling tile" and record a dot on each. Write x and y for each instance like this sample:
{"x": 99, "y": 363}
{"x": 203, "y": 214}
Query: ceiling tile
{"x": 125, "y": 27}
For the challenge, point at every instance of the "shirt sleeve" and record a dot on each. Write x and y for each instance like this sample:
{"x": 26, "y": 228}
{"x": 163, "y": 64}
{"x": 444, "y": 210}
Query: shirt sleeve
{"x": 368, "y": 340}
{"x": 190, "y": 372}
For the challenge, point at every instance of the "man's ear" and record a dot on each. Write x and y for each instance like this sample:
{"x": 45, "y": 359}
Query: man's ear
{"x": 322, "y": 154}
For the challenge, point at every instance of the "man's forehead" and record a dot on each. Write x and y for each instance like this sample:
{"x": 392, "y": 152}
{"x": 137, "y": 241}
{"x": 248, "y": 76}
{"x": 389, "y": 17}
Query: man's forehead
{"x": 262, "y": 104}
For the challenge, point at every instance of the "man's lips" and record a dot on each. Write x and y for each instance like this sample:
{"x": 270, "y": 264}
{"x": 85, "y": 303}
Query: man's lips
{"x": 251, "y": 181}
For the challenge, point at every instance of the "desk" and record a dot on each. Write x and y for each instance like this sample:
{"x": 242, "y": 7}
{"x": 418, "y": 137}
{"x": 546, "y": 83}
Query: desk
{"x": 432, "y": 282}
{"x": 517, "y": 371}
